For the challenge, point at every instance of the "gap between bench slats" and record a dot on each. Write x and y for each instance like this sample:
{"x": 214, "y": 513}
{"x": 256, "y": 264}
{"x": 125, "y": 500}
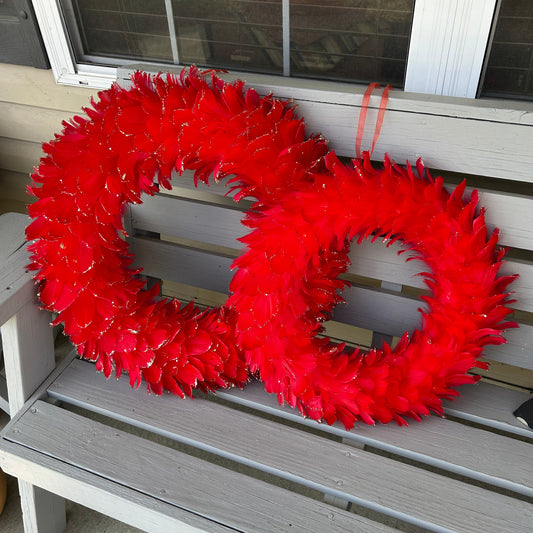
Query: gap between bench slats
{"x": 174, "y": 477}
{"x": 335, "y": 468}
{"x": 385, "y": 312}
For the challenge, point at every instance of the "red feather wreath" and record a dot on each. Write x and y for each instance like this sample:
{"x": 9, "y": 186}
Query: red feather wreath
{"x": 308, "y": 208}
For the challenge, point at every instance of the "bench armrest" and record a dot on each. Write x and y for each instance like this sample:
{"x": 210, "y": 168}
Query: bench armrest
{"x": 27, "y": 337}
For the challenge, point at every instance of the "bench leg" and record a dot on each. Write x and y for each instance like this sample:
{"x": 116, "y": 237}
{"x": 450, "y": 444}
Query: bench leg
{"x": 29, "y": 358}
{"x": 42, "y": 511}
{"x": 28, "y": 344}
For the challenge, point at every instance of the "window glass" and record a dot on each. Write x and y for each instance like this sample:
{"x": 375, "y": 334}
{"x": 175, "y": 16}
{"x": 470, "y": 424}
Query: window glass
{"x": 363, "y": 40}
{"x": 238, "y": 34}
{"x": 132, "y": 29}
{"x": 509, "y": 65}
{"x": 356, "y": 40}
{"x": 242, "y": 34}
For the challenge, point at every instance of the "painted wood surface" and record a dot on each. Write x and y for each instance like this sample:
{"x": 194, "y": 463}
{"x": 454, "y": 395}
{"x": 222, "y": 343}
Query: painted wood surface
{"x": 16, "y": 285}
{"x": 28, "y": 86}
{"x": 492, "y": 406}
{"x": 439, "y": 129}
{"x": 364, "y": 307}
{"x": 28, "y": 357}
{"x": 14, "y": 197}
{"x": 27, "y": 123}
{"x": 216, "y": 225}
{"x": 452, "y": 446}
{"x": 19, "y": 156}
{"x": 42, "y": 511}
{"x": 32, "y": 107}
{"x": 102, "y": 495}
{"x": 12, "y": 232}
{"x": 191, "y": 216}
{"x": 202, "y": 221}
{"x": 512, "y": 214}
{"x": 473, "y": 404}
{"x": 195, "y": 484}
{"x": 172, "y": 476}
{"x": 12, "y": 227}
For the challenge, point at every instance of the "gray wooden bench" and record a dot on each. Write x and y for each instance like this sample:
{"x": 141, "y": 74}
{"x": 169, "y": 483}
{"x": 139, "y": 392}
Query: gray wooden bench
{"x": 238, "y": 461}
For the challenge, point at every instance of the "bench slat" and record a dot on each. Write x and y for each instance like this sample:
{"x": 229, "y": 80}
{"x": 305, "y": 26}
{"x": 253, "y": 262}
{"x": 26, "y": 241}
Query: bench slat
{"x": 444, "y": 142}
{"x": 511, "y": 213}
{"x": 107, "y": 497}
{"x": 335, "y": 467}
{"x": 384, "y": 312}
{"x": 189, "y": 483}
{"x": 222, "y": 226}
{"x": 190, "y": 219}
{"x": 168, "y": 213}
{"x": 439, "y": 129}
{"x": 176, "y": 263}
{"x": 476, "y": 403}
{"x": 394, "y": 314}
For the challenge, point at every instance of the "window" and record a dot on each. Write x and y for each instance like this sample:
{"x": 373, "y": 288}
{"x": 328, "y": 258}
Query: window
{"x": 421, "y": 46}
{"x": 356, "y": 40}
{"x": 509, "y": 68}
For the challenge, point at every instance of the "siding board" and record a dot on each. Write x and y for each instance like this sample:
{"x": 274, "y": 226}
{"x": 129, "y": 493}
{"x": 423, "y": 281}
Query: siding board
{"x": 19, "y": 156}
{"x": 32, "y": 107}
{"x": 30, "y": 123}
{"x": 29, "y": 86}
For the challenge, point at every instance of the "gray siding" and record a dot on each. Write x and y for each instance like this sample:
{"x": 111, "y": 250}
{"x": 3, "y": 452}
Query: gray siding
{"x": 32, "y": 107}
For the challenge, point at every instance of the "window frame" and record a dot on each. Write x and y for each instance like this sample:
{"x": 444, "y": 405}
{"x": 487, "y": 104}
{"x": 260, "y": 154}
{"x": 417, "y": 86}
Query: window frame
{"x": 460, "y": 43}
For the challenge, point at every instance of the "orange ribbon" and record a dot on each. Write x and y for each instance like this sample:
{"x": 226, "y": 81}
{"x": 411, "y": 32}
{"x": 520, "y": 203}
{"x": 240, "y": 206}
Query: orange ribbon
{"x": 362, "y": 117}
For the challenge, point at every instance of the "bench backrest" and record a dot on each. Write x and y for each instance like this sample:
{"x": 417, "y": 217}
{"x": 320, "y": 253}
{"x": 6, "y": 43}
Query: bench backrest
{"x": 188, "y": 237}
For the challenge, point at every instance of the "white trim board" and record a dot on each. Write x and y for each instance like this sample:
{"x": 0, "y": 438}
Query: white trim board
{"x": 448, "y": 45}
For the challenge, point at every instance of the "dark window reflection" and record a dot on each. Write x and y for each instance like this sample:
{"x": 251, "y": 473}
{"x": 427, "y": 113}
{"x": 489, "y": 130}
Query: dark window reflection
{"x": 509, "y": 71}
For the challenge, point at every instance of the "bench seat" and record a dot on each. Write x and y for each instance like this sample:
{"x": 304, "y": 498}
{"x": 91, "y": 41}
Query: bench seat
{"x": 218, "y": 460}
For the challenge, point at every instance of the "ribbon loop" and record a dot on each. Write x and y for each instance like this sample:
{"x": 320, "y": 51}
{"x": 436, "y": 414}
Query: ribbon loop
{"x": 362, "y": 117}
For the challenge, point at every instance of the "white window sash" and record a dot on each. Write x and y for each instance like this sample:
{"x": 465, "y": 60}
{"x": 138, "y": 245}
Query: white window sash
{"x": 60, "y": 53}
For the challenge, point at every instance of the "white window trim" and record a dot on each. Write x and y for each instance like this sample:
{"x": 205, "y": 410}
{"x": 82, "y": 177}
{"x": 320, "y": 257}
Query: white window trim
{"x": 448, "y": 44}
{"x": 66, "y": 71}
{"x": 454, "y": 31}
